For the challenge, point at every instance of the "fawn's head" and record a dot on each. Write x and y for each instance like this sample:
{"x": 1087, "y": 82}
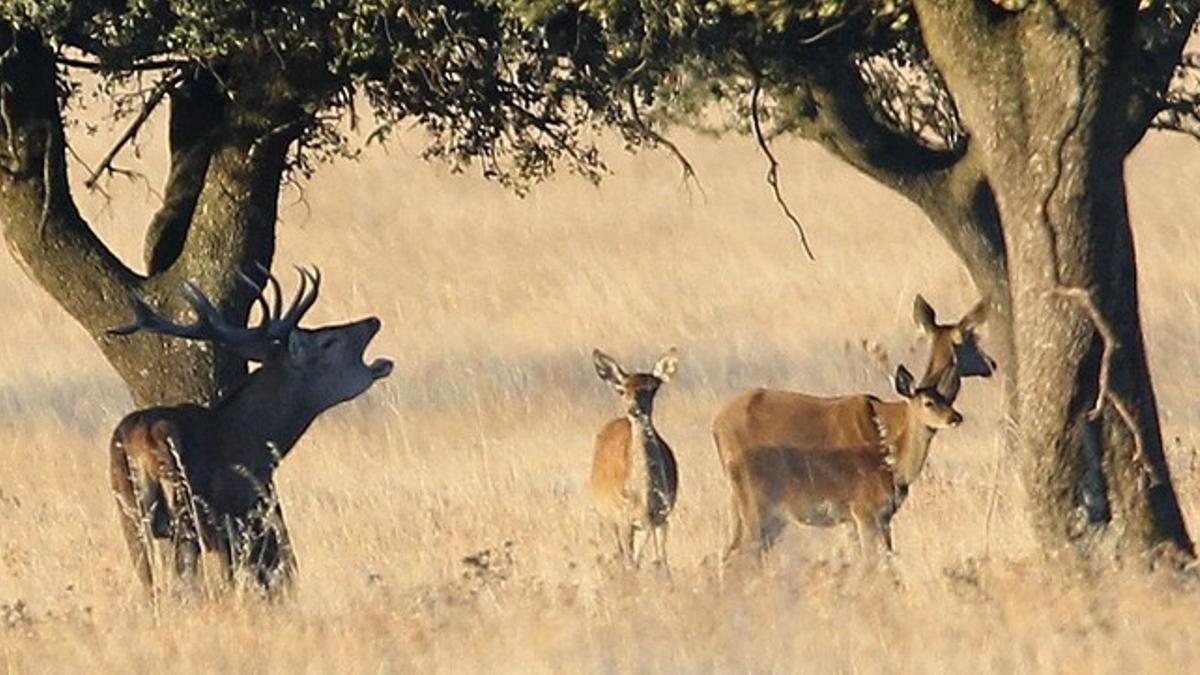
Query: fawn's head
{"x": 637, "y": 390}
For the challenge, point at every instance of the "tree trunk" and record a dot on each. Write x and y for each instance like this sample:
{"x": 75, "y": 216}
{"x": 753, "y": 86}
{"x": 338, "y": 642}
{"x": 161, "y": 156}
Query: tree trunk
{"x": 217, "y": 220}
{"x": 1039, "y": 89}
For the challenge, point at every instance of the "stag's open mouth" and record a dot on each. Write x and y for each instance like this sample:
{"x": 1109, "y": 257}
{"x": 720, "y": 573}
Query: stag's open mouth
{"x": 380, "y": 368}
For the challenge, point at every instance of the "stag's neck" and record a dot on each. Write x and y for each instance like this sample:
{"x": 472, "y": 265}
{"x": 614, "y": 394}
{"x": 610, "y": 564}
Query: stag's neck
{"x": 906, "y": 439}
{"x": 264, "y": 418}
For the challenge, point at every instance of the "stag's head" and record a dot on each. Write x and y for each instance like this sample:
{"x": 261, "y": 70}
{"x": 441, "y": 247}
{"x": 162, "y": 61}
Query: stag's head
{"x": 327, "y": 362}
{"x": 636, "y": 390}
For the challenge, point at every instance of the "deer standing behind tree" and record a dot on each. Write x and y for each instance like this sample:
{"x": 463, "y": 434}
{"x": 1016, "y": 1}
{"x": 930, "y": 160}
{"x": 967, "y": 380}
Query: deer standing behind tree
{"x": 634, "y": 478}
{"x": 192, "y": 480}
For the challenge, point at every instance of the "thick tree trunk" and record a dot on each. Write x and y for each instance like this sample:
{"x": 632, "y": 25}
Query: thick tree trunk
{"x": 1037, "y": 89}
{"x": 217, "y": 220}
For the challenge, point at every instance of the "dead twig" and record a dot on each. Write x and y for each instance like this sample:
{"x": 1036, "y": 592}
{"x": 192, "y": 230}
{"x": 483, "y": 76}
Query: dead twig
{"x": 689, "y": 172}
{"x": 160, "y": 91}
{"x": 1087, "y": 300}
{"x": 773, "y": 168}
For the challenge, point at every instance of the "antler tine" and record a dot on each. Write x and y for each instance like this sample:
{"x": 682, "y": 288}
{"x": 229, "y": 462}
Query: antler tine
{"x": 146, "y": 318}
{"x": 217, "y": 327}
{"x": 260, "y": 297}
{"x": 305, "y": 298}
{"x": 276, "y": 289}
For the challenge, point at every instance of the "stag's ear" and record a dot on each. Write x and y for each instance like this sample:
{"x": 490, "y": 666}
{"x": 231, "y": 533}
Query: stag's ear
{"x": 666, "y": 365}
{"x": 300, "y": 348}
{"x": 904, "y": 382}
{"x": 923, "y": 315}
{"x": 608, "y": 369}
{"x": 975, "y": 318}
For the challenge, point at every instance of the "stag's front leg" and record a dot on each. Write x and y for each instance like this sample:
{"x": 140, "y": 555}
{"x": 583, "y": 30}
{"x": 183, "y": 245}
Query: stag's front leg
{"x": 270, "y": 553}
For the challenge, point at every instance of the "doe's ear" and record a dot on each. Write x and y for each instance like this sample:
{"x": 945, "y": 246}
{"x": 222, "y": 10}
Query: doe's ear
{"x": 948, "y": 384}
{"x": 923, "y": 315}
{"x": 608, "y": 369}
{"x": 975, "y": 318}
{"x": 904, "y": 382}
{"x": 666, "y": 365}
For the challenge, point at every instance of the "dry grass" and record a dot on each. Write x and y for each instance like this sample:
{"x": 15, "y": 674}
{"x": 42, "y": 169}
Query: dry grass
{"x": 483, "y": 436}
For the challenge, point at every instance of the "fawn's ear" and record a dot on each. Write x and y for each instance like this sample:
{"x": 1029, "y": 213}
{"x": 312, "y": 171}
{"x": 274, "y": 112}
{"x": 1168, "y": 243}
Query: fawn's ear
{"x": 975, "y": 318}
{"x": 923, "y": 315}
{"x": 904, "y": 382}
{"x": 608, "y": 369}
{"x": 666, "y": 365}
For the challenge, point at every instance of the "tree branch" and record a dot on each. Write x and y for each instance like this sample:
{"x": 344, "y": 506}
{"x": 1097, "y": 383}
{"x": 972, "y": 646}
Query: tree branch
{"x": 836, "y": 112}
{"x": 689, "y": 172}
{"x": 773, "y": 168}
{"x": 140, "y": 66}
{"x": 1159, "y": 38}
{"x": 197, "y": 115}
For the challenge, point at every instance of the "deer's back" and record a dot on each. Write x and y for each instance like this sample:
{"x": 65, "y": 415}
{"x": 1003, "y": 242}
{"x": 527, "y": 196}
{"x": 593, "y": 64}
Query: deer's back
{"x": 769, "y": 418}
{"x": 148, "y": 439}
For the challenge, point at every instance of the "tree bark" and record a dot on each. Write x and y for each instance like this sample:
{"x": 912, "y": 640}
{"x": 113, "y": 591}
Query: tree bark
{"x": 1041, "y": 90}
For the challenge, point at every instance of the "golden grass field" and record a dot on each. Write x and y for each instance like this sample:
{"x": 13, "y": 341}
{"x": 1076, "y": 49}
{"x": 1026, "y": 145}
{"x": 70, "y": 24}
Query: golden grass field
{"x": 483, "y": 436}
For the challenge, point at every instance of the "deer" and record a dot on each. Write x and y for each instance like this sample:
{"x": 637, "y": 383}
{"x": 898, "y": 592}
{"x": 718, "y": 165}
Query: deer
{"x": 777, "y": 418}
{"x": 864, "y": 484}
{"x": 634, "y": 478}
{"x": 194, "y": 482}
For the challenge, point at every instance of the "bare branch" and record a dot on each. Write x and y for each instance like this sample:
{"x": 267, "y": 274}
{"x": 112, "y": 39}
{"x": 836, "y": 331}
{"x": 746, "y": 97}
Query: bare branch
{"x": 1087, "y": 300}
{"x": 140, "y": 66}
{"x": 773, "y": 168}
{"x": 156, "y": 96}
{"x": 689, "y": 172}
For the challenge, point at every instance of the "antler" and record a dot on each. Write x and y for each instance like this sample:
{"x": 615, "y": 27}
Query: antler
{"x": 252, "y": 342}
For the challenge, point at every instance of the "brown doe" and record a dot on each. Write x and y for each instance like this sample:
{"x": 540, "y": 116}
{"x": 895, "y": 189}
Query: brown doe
{"x": 634, "y": 476}
{"x": 864, "y": 484}
{"x": 192, "y": 480}
{"x": 775, "y": 418}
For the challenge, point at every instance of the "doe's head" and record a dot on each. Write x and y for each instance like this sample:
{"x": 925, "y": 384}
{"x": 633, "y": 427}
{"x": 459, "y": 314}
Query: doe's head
{"x": 955, "y": 343}
{"x": 636, "y": 390}
{"x": 932, "y": 405}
